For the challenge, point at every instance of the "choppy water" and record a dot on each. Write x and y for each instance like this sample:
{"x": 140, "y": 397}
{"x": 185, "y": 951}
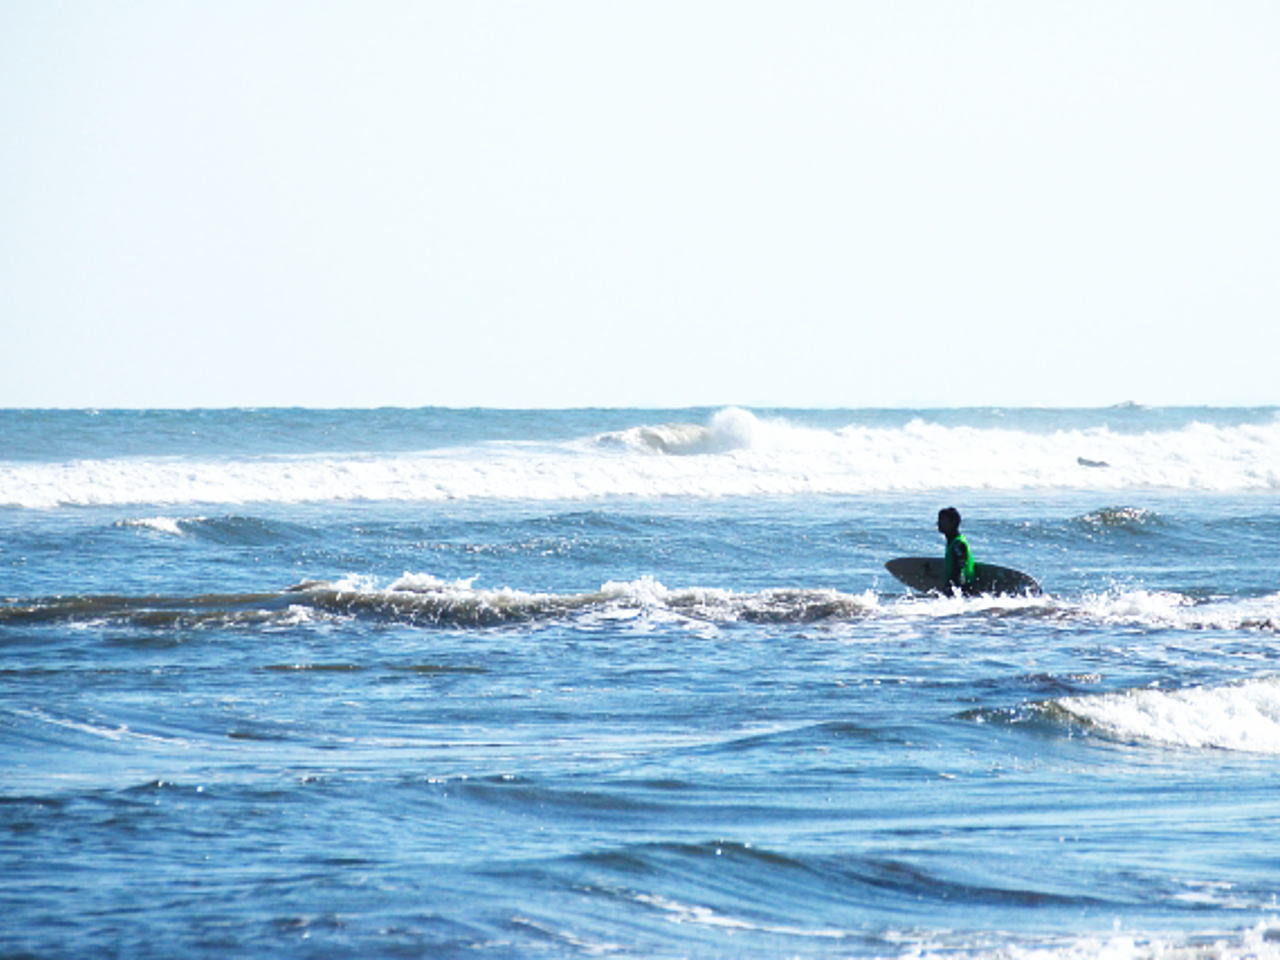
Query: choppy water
{"x": 635, "y": 683}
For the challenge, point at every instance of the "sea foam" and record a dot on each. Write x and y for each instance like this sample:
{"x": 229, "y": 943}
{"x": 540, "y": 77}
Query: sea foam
{"x": 735, "y": 454}
{"x": 422, "y": 598}
{"x": 1243, "y": 716}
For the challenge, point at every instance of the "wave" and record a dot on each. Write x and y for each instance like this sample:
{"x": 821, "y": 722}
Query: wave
{"x": 230, "y": 530}
{"x": 425, "y": 599}
{"x": 728, "y": 430}
{"x": 1164, "y": 609}
{"x": 1242, "y": 716}
{"x": 735, "y": 454}
{"x": 249, "y": 609}
{"x": 422, "y": 599}
{"x": 792, "y": 901}
{"x": 1258, "y": 942}
{"x": 1133, "y": 519}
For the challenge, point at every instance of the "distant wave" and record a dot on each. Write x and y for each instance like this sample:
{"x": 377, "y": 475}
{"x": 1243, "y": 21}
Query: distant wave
{"x": 228, "y": 529}
{"x": 1121, "y": 518}
{"x": 728, "y": 430}
{"x": 734, "y": 454}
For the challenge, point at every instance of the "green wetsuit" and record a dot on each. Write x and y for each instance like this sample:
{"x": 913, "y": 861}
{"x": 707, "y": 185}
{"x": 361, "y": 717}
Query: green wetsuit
{"x": 957, "y": 568}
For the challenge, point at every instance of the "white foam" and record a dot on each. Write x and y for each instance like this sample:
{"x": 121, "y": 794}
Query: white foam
{"x": 1243, "y": 716}
{"x": 1150, "y": 609}
{"x": 1258, "y": 942}
{"x": 158, "y": 524}
{"x": 649, "y": 596}
{"x": 422, "y": 595}
{"x": 734, "y": 454}
{"x": 677, "y": 912}
{"x": 1254, "y": 943}
{"x": 169, "y": 525}
{"x": 1176, "y": 611}
{"x": 421, "y": 583}
{"x": 728, "y": 430}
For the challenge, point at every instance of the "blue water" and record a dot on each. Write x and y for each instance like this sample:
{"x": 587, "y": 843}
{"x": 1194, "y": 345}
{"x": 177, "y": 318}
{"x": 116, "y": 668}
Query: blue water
{"x": 635, "y": 683}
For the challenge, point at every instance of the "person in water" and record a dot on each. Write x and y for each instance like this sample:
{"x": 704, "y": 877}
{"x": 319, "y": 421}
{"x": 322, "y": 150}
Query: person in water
{"x": 957, "y": 567}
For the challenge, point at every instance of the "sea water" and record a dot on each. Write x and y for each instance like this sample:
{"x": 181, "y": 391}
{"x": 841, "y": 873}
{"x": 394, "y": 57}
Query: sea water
{"x": 635, "y": 683}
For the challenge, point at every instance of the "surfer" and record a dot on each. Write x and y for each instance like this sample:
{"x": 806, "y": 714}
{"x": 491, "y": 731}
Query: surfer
{"x": 958, "y": 559}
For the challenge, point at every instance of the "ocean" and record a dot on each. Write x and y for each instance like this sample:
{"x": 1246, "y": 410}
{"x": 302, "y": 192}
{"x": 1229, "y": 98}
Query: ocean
{"x": 635, "y": 683}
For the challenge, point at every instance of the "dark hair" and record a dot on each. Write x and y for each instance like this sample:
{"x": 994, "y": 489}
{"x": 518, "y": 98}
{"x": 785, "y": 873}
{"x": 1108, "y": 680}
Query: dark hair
{"x": 951, "y": 513}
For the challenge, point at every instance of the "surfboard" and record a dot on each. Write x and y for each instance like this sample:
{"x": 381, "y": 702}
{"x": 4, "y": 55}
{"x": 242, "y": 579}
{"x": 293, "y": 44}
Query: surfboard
{"x": 925, "y": 574}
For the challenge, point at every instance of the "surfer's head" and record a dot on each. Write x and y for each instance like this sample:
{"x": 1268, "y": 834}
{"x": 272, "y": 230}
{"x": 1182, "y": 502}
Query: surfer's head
{"x": 949, "y": 521}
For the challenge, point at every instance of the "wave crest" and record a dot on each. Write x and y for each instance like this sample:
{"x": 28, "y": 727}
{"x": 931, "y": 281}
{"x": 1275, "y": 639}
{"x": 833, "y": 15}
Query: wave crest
{"x": 1243, "y": 716}
{"x": 730, "y": 429}
{"x": 735, "y": 454}
{"x": 424, "y": 599}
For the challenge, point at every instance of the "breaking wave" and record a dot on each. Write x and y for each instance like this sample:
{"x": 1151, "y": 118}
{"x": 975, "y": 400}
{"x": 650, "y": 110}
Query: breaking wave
{"x": 735, "y": 454}
{"x": 421, "y": 599}
{"x": 1243, "y": 716}
{"x": 728, "y": 430}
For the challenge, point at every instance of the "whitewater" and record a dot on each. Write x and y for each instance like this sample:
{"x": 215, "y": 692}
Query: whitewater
{"x": 734, "y": 454}
{"x": 636, "y": 683}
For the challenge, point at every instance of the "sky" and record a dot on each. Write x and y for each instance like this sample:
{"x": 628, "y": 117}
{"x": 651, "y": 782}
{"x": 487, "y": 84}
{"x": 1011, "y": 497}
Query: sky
{"x": 562, "y": 203}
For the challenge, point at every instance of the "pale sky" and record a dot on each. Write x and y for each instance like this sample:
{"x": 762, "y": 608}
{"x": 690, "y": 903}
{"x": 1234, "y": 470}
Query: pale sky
{"x": 606, "y": 203}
